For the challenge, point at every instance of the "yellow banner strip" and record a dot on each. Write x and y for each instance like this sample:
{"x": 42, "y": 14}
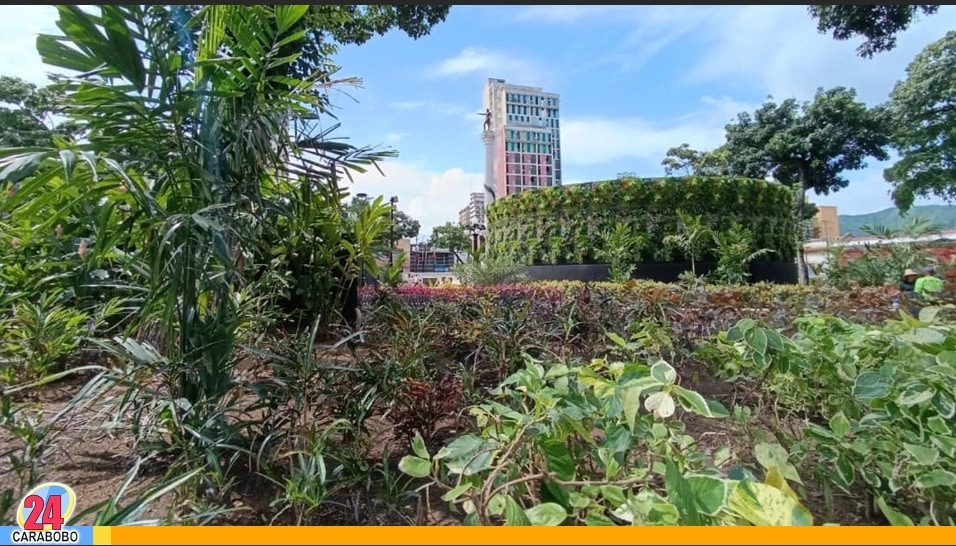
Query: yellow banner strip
{"x": 524, "y": 535}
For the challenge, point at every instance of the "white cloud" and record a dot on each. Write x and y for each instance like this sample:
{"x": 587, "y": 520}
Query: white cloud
{"x": 778, "y": 50}
{"x": 593, "y": 141}
{"x": 488, "y": 63}
{"x": 430, "y": 197}
{"x": 19, "y": 27}
{"x": 643, "y": 31}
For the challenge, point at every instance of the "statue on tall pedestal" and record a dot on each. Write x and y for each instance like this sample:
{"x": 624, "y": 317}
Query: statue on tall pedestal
{"x": 487, "y": 114}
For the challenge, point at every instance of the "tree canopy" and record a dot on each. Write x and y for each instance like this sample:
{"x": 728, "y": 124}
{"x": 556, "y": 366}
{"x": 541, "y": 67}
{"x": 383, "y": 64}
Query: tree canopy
{"x": 449, "y": 235}
{"x": 686, "y": 161}
{"x": 27, "y": 115}
{"x": 923, "y": 108}
{"x": 878, "y": 24}
{"x": 809, "y": 145}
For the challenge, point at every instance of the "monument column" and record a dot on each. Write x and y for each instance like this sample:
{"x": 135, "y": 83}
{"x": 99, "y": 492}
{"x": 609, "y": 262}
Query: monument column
{"x": 488, "y": 137}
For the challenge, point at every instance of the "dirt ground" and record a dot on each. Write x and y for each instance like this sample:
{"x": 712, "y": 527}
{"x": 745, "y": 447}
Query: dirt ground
{"x": 95, "y": 463}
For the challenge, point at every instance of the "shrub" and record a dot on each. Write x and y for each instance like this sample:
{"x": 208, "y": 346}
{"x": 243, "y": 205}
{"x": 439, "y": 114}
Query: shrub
{"x": 560, "y": 225}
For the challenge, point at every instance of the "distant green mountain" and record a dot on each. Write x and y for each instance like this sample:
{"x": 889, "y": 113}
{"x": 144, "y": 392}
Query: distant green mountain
{"x": 943, "y": 216}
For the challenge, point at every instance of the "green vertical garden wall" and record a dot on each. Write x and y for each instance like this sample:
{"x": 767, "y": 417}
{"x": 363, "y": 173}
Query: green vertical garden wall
{"x": 562, "y": 225}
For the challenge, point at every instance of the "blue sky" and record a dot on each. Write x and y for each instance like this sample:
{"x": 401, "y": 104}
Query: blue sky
{"x": 634, "y": 81}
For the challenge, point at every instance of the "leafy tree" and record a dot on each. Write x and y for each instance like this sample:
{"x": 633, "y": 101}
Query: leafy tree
{"x": 406, "y": 227}
{"x": 450, "y": 235}
{"x": 879, "y": 23}
{"x": 27, "y": 120}
{"x": 808, "y": 145}
{"x": 923, "y": 108}
{"x": 684, "y": 160}
{"x": 324, "y": 28}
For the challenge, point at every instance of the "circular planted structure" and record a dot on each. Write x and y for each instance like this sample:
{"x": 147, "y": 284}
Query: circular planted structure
{"x": 564, "y": 225}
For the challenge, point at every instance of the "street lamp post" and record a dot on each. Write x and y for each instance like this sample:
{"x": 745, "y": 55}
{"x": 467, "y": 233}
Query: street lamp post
{"x": 391, "y": 230}
{"x": 475, "y": 229}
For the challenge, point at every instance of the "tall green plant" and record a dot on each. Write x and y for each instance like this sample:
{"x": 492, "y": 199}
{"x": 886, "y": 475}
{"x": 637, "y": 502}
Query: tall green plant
{"x": 191, "y": 118}
{"x": 693, "y": 238}
{"x": 734, "y": 254}
{"x": 619, "y": 247}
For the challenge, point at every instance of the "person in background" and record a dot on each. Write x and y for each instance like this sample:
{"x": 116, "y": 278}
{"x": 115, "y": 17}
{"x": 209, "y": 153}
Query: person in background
{"x": 928, "y": 285}
{"x": 908, "y": 282}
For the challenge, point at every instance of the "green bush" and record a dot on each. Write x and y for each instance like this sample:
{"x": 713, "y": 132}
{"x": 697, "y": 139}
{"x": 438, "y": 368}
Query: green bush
{"x": 561, "y": 225}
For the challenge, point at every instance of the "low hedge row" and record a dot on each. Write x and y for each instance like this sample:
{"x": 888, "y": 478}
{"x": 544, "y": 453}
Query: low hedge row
{"x": 694, "y": 312}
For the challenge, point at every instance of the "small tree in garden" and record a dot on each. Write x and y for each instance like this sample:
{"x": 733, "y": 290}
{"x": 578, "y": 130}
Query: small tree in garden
{"x": 619, "y": 246}
{"x": 693, "y": 238}
{"x": 734, "y": 254}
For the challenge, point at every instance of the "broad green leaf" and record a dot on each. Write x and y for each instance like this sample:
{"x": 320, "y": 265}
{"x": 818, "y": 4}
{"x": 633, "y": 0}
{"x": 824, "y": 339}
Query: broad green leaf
{"x": 559, "y": 459}
{"x": 496, "y": 506}
{"x": 664, "y": 372}
{"x": 944, "y": 404}
{"x": 661, "y": 404}
{"x": 936, "y": 478}
{"x": 463, "y": 446}
{"x": 746, "y": 324}
{"x": 757, "y": 340}
{"x": 946, "y": 358}
{"x": 631, "y": 404}
{"x": 938, "y": 425}
{"x": 895, "y": 517}
{"x": 289, "y": 14}
{"x": 558, "y": 370}
{"x": 471, "y": 465}
{"x": 456, "y": 492}
{"x": 414, "y": 466}
{"x": 774, "y": 340}
{"x": 547, "y": 514}
{"x": 680, "y": 494}
{"x": 845, "y": 472}
{"x": 926, "y": 456}
{"x": 613, "y": 494}
{"x": 764, "y": 505}
{"x": 693, "y": 401}
{"x": 869, "y": 386}
{"x": 915, "y": 394}
{"x": 776, "y": 456}
{"x": 514, "y": 515}
{"x": 418, "y": 447}
{"x": 840, "y": 425}
{"x": 710, "y": 493}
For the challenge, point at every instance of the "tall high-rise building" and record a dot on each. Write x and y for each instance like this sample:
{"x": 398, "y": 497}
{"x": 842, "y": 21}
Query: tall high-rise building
{"x": 474, "y": 213}
{"x": 527, "y": 136}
